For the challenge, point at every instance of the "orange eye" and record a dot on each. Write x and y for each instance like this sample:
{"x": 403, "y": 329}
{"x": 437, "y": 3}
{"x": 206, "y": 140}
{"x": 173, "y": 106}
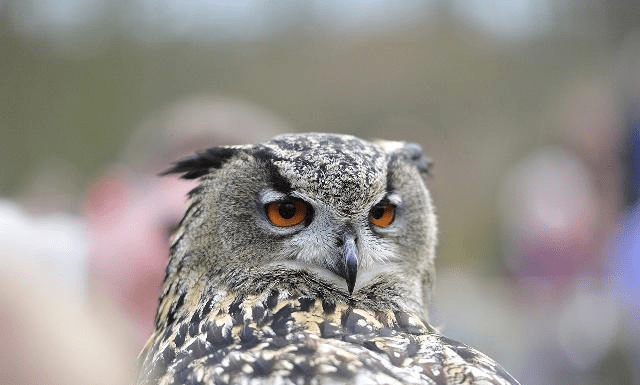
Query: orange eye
{"x": 382, "y": 214}
{"x": 286, "y": 214}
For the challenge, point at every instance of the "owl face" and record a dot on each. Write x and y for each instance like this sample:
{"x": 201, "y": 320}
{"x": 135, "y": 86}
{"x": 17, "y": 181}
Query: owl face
{"x": 346, "y": 210}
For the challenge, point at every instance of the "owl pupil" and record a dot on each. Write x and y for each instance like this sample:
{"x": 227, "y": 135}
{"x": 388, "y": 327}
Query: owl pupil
{"x": 377, "y": 211}
{"x": 287, "y": 210}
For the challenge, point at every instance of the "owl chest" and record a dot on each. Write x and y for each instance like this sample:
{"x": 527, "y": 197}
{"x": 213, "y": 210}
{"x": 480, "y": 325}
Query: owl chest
{"x": 287, "y": 338}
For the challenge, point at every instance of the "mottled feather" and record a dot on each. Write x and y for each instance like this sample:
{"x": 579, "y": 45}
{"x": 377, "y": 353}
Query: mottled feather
{"x": 298, "y": 337}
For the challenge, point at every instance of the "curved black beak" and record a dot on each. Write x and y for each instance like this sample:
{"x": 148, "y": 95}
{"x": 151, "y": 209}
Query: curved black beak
{"x": 350, "y": 254}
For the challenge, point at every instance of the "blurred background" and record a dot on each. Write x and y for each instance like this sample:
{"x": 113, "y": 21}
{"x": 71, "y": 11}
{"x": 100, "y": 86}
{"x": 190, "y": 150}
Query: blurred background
{"x": 529, "y": 108}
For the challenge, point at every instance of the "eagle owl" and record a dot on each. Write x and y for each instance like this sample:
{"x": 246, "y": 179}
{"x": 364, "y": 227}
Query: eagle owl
{"x": 308, "y": 259}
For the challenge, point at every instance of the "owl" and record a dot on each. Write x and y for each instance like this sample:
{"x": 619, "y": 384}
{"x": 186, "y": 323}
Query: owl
{"x": 308, "y": 259}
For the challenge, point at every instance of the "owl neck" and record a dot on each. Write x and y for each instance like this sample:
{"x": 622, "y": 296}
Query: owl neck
{"x": 281, "y": 309}
{"x": 299, "y": 288}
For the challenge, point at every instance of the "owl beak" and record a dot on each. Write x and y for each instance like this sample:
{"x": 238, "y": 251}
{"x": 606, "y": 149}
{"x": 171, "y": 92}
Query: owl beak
{"x": 350, "y": 263}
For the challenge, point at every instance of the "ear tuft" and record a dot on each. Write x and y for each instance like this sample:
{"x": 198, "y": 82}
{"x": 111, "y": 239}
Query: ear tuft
{"x": 416, "y": 156}
{"x": 202, "y": 162}
{"x": 410, "y": 153}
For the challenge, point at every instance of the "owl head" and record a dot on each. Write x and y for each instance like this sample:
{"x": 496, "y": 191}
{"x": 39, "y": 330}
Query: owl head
{"x": 347, "y": 215}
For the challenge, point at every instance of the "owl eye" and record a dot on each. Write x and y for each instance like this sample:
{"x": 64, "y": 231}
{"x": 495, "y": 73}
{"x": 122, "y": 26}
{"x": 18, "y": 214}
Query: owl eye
{"x": 287, "y": 213}
{"x": 382, "y": 214}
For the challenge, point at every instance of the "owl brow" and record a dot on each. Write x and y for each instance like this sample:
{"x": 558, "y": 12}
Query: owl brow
{"x": 278, "y": 182}
{"x": 389, "y": 180}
